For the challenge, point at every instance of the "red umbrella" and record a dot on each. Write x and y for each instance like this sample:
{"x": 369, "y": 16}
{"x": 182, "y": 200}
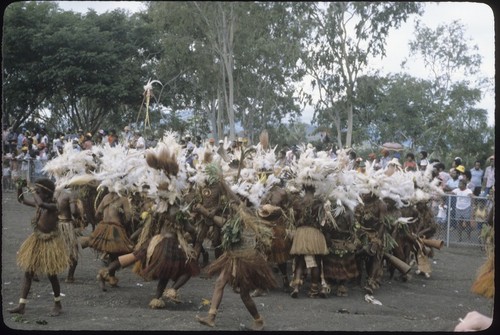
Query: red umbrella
{"x": 392, "y": 146}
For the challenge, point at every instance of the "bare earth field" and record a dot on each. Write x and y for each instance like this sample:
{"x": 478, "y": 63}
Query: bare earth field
{"x": 419, "y": 305}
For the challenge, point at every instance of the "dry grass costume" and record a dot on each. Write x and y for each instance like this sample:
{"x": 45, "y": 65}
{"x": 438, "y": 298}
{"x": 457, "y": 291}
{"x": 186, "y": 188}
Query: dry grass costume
{"x": 45, "y": 250}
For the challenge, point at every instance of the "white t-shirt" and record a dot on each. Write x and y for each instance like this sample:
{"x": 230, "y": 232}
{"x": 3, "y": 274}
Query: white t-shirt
{"x": 141, "y": 143}
{"x": 442, "y": 209}
{"x": 489, "y": 175}
{"x": 464, "y": 199}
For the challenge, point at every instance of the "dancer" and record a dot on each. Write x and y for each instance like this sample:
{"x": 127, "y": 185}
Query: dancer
{"x": 273, "y": 211}
{"x": 44, "y": 251}
{"x": 66, "y": 204}
{"x": 242, "y": 265}
{"x": 162, "y": 253}
{"x": 110, "y": 235}
{"x": 309, "y": 244}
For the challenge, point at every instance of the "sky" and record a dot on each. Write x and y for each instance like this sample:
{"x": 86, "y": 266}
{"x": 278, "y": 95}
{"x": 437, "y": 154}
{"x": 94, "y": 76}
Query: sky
{"x": 477, "y": 18}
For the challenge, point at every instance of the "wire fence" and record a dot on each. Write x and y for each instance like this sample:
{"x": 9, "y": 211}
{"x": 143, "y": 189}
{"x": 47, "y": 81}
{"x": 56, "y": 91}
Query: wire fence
{"x": 461, "y": 226}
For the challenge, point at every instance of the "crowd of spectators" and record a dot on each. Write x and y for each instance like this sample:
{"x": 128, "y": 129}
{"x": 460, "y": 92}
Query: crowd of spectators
{"x": 26, "y": 151}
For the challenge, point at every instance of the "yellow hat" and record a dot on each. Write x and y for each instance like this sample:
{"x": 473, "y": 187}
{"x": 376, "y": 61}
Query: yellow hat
{"x": 461, "y": 168}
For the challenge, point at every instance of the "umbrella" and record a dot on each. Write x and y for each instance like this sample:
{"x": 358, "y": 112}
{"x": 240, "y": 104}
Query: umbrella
{"x": 392, "y": 146}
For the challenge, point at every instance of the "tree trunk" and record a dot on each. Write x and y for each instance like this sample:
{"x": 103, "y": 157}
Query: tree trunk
{"x": 348, "y": 139}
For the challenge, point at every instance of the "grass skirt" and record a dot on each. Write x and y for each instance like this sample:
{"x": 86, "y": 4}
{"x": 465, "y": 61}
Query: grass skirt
{"x": 163, "y": 258}
{"x": 110, "y": 237}
{"x": 308, "y": 241}
{"x": 281, "y": 245}
{"x": 340, "y": 268}
{"x": 43, "y": 253}
{"x": 248, "y": 269}
{"x": 69, "y": 235}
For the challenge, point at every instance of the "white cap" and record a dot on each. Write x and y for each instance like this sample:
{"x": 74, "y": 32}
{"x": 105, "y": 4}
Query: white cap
{"x": 221, "y": 141}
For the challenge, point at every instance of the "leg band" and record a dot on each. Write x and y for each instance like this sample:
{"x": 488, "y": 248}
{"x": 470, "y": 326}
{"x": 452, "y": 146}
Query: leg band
{"x": 56, "y": 299}
{"x": 23, "y": 301}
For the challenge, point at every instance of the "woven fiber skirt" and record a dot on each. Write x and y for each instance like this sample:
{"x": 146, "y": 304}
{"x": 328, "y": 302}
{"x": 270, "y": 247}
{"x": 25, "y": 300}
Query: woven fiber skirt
{"x": 308, "y": 241}
{"x": 280, "y": 247}
{"x": 110, "y": 237}
{"x": 340, "y": 268}
{"x": 164, "y": 258}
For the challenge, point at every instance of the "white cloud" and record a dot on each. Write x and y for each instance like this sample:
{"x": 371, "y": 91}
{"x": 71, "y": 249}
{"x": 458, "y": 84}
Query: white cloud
{"x": 101, "y": 6}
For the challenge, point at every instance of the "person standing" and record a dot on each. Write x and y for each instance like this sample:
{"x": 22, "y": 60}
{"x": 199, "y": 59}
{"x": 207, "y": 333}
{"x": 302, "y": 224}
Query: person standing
{"x": 44, "y": 137}
{"x": 410, "y": 164}
{"x": 38, "y": 252}
{"x": 477, "y": 177}
{"x": 5, "y": 133}
{"x": 20, "y": 139}
{"x": 442, "y": 174}
{"x": 463, "y": 211}
{"x": 138, "y": 141}
{"x": 452, "y": 184}
{"x": 127, "y": 136}
{"x": 11, "y": 141}
{"x": 385, "y": 159}
{"x": 489, "y": 177}
{"x": 423, "y": 160}
{"x": 442, "y": 215}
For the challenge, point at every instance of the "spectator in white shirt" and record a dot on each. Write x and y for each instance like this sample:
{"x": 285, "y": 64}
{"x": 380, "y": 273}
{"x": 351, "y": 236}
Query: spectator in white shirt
{"x": 463, "y": 212}
{"x": 489, "y": 177}
{"x": 477, "y": 177}
{"x": 138, "y": 141}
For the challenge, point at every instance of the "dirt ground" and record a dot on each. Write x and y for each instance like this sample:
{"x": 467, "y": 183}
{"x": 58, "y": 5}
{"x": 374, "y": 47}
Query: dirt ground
{"x": 421, "y": 304}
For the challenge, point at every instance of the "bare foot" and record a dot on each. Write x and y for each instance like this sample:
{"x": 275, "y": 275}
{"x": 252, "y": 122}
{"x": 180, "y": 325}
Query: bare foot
{"x": 258, "y": 324}
{"x": 18, "y": 310}
{"x": 101, "y": 277}
{"x": 258, "y": 293}
{"x": 207, "y": 321}
{"x": 56, "y": 310}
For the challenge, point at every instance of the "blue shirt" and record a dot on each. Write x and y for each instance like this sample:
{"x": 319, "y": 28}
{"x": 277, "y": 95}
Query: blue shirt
{"x": 452, "y": 184}
{"x": 476, "y": 176}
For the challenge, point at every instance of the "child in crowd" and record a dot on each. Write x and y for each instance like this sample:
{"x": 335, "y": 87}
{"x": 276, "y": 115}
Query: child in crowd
{"x": 463, "y": 213}
{"x": 442, "y": 214}
{"x": 6, "y": 178}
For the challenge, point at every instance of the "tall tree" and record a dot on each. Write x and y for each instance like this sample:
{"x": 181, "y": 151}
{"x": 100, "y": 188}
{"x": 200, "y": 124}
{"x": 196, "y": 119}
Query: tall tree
{"x": 453, "y": 63}
{"x": 254, "y": 73}
{"x": 345, "y": 35}
{"x": 447, "y": 54}
{"x": 83, "y": 69}
{"x": 23, "y": 90}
